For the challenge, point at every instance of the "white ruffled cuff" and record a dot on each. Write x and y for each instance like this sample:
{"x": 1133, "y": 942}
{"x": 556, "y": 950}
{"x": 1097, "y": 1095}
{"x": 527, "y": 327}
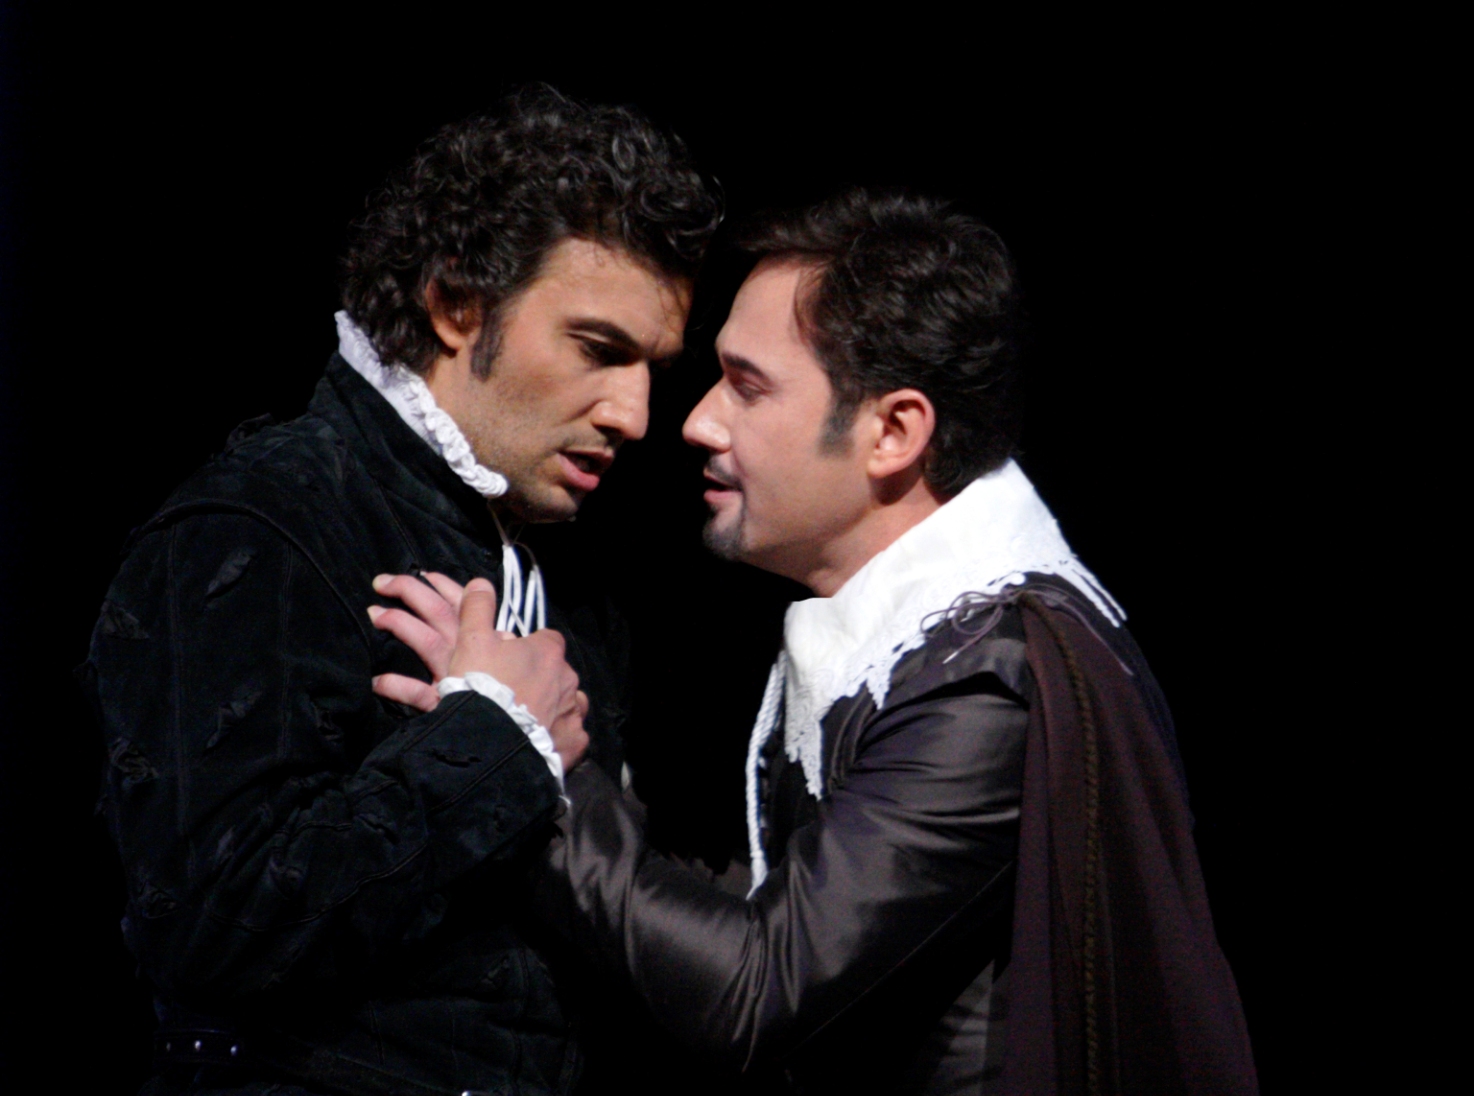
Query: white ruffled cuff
{"x": 502, "y": 696}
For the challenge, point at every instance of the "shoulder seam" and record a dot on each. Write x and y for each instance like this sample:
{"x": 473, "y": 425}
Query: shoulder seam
{"x": 172, "y": 515}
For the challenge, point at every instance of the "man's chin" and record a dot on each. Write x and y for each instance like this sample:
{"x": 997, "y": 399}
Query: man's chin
{"x": 723, "y": 539}
{"x": 545, "y": 506}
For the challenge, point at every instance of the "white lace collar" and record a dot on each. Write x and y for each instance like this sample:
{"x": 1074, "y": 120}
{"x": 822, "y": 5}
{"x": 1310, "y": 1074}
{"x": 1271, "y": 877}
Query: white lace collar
{"x": 988, "y": 537}
{"x": 408, "y": 394}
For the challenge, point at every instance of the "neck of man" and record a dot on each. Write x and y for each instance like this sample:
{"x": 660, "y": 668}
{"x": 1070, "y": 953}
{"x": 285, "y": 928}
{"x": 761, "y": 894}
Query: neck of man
{"x": 446, "y": 380}
{"x": 897, "y": 505}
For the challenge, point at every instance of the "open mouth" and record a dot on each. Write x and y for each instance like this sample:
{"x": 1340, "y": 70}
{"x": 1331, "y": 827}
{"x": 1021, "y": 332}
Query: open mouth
{"x": 718, "y": 487}
{"x": 583, "y": 470}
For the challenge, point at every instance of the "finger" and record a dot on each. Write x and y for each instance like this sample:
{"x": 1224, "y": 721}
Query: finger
{"x": 570, "y": 686}
{"x": 581, "y": 702}
{"x": 447, "y": 587}
{"x": 478, "y": 610}
{"x": 572, "y": 745}
{"x": 550, "y": 638}
{"x": 425, "y": 600}
{"x": 407, "y": 690}
{"x": 415, "y": 634}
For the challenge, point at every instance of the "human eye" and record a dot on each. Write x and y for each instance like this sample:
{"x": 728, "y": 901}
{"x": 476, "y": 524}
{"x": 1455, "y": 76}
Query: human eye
{"x": 746, "y": 388}
{"x": 599, "y": 352}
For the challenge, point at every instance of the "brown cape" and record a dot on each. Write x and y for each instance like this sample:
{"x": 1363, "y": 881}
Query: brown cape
{"x": 1119, "y": 985}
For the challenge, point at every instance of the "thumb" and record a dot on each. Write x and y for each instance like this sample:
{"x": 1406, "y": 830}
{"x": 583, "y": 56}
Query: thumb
{"x": 478, "y": 607}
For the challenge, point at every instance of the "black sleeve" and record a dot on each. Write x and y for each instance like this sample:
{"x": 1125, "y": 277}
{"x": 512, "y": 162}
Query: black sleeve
{"x": 922, "y": 831}
{"x": 276, "y": 819}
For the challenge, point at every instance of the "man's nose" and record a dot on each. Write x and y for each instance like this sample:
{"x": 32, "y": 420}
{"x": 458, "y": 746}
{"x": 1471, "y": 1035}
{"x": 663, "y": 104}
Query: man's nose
{"x": 703, "y": 426}
{"x": 625, "y": 407}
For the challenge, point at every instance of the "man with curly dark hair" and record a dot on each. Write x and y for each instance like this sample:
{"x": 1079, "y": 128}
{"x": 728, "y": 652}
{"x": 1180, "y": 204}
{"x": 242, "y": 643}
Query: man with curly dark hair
{"x": 324, "y": 884}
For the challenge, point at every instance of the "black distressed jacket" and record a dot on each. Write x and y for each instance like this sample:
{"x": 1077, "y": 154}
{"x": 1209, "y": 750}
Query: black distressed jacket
{"x": 870, "y": 958}
{"x": 332, "y": 881}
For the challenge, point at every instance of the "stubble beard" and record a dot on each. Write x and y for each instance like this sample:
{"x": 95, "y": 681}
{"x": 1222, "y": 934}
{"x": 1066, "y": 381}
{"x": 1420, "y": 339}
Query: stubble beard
{"x": 530, "y": 498}
{"x": 543, "y": 506}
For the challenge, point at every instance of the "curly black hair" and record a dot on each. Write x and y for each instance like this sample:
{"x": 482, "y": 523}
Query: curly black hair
{"x": 909, "y": 293}
{"x": 484, "y": 201}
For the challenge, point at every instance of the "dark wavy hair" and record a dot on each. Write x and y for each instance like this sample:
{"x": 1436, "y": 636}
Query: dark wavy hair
{"x": 476, "y": 212}
{"x": 909, "y": 293}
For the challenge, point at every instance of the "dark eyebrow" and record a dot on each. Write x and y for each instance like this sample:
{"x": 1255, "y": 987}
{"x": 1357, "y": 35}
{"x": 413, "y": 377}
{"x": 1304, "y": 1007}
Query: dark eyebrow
{"x": 611, "y": 333}
{"x": 742, "y": 365}
{"x": 620, "y": 339}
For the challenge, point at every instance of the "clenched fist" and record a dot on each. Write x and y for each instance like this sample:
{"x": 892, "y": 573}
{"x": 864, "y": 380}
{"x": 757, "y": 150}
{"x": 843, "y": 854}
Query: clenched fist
{"x": 453, "y": 630}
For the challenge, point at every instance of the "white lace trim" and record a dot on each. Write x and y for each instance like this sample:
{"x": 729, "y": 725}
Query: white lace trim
{"x": 767, "y": 720}
{"x": 502, "y": 696}
{"x": 407, "y": 392}
{"x": 990, "y": 536}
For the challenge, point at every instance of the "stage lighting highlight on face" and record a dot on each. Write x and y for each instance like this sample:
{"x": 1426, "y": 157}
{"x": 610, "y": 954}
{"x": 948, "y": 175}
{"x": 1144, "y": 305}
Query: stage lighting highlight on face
{"x": 570, "y": 382}
{"x": 777, "y": 490}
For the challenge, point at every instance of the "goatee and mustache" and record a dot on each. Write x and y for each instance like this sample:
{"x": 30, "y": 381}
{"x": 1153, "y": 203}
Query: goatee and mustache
{"x": 724, "y": 541}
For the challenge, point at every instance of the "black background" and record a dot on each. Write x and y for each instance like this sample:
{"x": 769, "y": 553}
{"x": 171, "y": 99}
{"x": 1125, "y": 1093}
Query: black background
{"x": 176, "y": 193}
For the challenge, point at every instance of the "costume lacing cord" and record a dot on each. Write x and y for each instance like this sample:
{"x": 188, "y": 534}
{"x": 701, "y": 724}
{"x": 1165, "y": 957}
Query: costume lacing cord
{"x": 533, "y": 614}
{"x": 524, "y": 604}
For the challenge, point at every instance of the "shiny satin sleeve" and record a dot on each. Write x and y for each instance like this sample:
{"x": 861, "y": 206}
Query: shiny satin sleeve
{"x": 921, "y": 831}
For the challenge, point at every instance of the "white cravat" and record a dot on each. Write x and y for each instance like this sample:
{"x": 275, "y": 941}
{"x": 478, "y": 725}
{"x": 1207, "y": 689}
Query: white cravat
{"x": 992, "y": 534}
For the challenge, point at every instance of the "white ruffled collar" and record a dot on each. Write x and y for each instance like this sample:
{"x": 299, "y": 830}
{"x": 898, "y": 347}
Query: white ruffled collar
{"x": 408, "y": 394}
{"x": 992, "y": 534}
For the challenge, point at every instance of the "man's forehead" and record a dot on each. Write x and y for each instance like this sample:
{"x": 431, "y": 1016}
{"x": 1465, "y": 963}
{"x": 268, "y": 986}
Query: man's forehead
{"x": 595, "y": 286}
{"x": 763, "y": 322}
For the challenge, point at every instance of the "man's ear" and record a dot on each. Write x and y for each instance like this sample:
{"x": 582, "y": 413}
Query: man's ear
{"x": 457, "y": 328}
{"x": 904, "y": 423}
